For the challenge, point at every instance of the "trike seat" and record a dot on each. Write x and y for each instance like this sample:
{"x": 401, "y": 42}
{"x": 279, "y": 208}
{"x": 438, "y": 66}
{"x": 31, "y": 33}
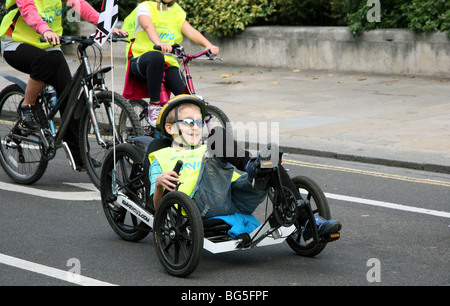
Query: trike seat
{"x": 214, "y": 227}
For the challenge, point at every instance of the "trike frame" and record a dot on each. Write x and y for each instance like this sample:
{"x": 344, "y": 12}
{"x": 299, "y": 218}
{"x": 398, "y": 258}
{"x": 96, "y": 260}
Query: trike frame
{"x": 179, "y": 232}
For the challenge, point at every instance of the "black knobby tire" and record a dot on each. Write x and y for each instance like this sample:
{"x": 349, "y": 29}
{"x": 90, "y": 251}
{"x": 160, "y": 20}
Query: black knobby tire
{"x": 28, "y": 167}
{"x": 139, "y": 106}
{"x": 178, "y": 233}
{"x": 216, "y": 117}
{"x": 128, "y": 159}
{"x": 319, "y": 205}
{"x": 126, "y": 122}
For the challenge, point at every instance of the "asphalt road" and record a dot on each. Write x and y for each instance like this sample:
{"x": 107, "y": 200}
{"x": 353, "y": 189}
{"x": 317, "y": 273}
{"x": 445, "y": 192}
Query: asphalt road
{"x": 48, "y": 237}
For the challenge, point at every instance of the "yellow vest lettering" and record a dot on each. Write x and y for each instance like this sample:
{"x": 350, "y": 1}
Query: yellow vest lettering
{"x": 168, "y": 26}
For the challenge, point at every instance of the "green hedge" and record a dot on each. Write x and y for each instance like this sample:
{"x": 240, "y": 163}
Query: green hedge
{"x": 417, "y": 15}
{"x": 226, "y": 18}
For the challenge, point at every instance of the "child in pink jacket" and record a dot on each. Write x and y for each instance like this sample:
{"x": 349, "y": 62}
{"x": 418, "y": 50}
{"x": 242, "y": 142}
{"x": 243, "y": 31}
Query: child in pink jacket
{"x": 44, "y": 62}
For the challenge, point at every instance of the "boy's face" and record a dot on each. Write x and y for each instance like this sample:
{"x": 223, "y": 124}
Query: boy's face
{"x": 191, "y": 134}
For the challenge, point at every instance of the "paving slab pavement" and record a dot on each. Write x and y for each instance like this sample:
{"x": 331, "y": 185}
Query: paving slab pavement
{"x": 397, "y": 120}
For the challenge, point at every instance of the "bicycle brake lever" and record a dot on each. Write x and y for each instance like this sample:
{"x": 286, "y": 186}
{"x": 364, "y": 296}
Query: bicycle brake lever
{"x": 211, "y": 57}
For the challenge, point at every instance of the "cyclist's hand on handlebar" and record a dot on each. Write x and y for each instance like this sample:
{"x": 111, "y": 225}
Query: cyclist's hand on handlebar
{"x": 120, "y": 33}
{"x": 51, "y": 37}
{"x": 214, "y": 50}
{"x": 164, "y": 48}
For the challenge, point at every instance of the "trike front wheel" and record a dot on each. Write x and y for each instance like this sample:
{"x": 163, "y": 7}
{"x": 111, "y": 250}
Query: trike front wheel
{"x": 178, "y": 231}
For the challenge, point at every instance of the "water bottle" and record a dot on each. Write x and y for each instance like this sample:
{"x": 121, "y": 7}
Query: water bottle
{"x": 52, "y": 99}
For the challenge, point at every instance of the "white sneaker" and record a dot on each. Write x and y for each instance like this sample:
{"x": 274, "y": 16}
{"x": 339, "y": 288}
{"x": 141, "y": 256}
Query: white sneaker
{"x": 153, "y": 113}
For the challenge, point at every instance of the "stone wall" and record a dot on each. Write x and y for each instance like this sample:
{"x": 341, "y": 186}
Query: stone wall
{"x": 386, "y": 51}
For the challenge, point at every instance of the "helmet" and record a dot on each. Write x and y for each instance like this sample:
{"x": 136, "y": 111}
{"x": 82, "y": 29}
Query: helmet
{"x": 172, "y": 104}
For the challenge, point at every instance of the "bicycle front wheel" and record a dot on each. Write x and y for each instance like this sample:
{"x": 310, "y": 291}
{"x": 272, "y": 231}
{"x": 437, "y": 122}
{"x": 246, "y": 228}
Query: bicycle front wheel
{"x": 20, "y": 149}
{"x": 126, "y": 124}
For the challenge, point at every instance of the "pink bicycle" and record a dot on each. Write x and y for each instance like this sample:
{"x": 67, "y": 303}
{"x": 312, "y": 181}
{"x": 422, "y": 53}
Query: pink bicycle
{"x": 214, "y": 115}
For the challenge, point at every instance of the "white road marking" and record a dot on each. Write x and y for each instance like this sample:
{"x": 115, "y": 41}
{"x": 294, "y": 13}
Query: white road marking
{"x": 388, "y": 205}
{"x": 92, "y": 195}
{"x": 51, "y": 272}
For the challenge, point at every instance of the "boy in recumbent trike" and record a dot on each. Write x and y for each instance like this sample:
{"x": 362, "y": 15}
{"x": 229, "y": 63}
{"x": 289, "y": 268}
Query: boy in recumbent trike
{"x": 209, "y": 177}
{"x": 191, "y": 205}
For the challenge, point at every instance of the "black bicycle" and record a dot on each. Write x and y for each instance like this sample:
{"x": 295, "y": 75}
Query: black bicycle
{"x": 25, "y": 153}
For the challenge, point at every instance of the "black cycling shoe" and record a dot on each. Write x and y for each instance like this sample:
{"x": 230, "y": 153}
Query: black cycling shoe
{"x": 28, "y": 117}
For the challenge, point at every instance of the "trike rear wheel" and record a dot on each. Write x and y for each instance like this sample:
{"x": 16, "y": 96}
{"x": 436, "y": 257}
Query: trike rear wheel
{"x": 319, "y": 206}
{"x": 178, "y": 232}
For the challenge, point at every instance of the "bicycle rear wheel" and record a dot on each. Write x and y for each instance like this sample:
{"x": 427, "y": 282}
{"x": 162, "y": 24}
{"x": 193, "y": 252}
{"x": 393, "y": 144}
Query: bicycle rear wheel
{"x": 20, "y": 149}
{"x": 140, "y": 108}
{"x": 126, "y": 125}
{"x": 214, "y": 117}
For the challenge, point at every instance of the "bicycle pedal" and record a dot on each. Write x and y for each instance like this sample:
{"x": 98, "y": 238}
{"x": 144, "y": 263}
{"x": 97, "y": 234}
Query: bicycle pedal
{"x": 332, "y": 237}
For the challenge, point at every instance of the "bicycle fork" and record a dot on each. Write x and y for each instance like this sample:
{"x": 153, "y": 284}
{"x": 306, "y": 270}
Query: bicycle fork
{"x": 89, "y": 95}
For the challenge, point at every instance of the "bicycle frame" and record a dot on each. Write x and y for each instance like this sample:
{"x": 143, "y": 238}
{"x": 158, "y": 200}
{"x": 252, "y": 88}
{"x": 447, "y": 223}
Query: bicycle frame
{"x": 83, "y": 80}
{"x": 165, "y": 93}
{"x": 81, "y": 87}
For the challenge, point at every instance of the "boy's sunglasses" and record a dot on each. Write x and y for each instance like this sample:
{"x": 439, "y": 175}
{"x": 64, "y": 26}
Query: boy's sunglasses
{"x": 191, "y": 122}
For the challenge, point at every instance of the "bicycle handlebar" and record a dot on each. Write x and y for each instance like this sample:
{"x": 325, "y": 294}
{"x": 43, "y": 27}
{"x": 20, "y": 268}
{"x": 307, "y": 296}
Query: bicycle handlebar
{"x": 178, "y": 51}
{"x": 69, "y": 39}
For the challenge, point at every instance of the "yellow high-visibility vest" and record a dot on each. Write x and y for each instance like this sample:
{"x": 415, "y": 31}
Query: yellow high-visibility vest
{"x": 13, "y": 24}
{"x": 192, "y": 161}
{"x": 168, "y": 26}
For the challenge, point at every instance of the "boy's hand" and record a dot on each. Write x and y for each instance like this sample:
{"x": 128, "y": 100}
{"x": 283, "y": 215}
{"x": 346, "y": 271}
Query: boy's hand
{"x": 167, "y": 180}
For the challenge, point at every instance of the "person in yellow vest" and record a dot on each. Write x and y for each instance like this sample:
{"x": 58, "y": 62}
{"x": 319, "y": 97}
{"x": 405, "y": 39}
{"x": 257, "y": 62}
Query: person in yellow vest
{"x": 203, "y": 176}
{"x": 24, "y": 23}
{"x": 161, "y": 23}
{"x": 208, "y": 173}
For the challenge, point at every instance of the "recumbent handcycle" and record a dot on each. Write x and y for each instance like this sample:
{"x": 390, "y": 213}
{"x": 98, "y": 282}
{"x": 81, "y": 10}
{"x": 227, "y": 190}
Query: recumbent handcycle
{"x": 180, "y": 234}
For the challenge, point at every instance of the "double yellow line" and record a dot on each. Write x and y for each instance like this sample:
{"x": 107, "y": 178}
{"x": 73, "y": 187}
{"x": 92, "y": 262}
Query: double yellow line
{"x": 365, "y": 172}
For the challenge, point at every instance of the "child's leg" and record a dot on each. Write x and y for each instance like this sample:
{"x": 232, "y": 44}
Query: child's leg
{"x": 221, "y": 144}
{"x": 244, "y": 198}
{"x": 212, "y": 193}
